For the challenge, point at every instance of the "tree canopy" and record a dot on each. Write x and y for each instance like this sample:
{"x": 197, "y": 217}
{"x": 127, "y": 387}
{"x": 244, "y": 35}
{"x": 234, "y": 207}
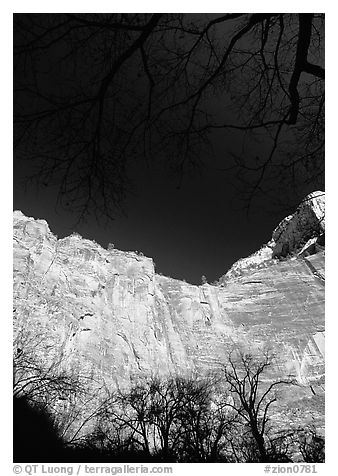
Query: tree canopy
{"x": 96, "y": 93}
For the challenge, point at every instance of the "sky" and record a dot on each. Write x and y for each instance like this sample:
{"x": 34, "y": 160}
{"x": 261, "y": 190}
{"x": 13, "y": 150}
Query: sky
{"x": 199, "y": 228}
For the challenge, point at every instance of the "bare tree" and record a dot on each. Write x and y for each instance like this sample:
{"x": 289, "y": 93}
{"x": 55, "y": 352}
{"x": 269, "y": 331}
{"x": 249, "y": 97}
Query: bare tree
{"x": 311, "y": 445}
{"x": 51, "y": 386}
{"x": 252, "y": 399}
{"x": 175, "y": 419}
{"x": 206, "y": 422}
{"x": 145, "y": 418}
{"x": 221, "y": 418}
{"x": 96, "y": 92}
{"x": 39, "y": 382}
{"x": 125, "y": 420}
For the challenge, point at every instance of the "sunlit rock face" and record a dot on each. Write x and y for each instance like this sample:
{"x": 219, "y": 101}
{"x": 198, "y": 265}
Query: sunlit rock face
{"x": 307, "y": 223}
{"x": 108, "y": 315}
{"x": 302, "y": 234}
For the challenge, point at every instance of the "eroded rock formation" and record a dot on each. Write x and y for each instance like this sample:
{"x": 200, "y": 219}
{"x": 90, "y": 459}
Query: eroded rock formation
{"x": 109, "y": 315}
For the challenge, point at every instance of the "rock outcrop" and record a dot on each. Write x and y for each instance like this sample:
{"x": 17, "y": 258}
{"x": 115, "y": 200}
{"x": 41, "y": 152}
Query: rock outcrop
{"x": 109, "y": 315}
{"x": 301, "y": 234}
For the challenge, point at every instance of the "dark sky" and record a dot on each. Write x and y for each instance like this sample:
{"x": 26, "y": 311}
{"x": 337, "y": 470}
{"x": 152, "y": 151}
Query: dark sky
{"x": 199, "y": 228}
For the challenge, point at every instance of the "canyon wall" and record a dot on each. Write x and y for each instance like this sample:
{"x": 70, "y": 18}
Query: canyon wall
{"x": 108, "y": 315}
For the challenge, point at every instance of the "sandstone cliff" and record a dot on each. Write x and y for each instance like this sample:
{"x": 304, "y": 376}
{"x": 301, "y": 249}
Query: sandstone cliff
{"x": 109, "y": 315}
{"x": 299, "y": 234}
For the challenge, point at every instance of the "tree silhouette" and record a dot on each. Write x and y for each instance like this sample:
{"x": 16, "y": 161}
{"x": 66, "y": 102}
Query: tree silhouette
{"x": 220, "y": 418}
{"x": 223, "y": 418}
{"x": 51, "y": 389}
{"x": 252, "y": 398}
{"x": 174, "y": 419}
{"x": 95, "y": 93}
{"x": 35, "y": 437}
{"x": 39, "y": 382}
{"x": 207, "y": 423}
{"x": 311, "y": 445}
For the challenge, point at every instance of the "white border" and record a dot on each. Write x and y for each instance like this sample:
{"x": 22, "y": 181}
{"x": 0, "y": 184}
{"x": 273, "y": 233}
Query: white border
{"x": 331, "y": 185}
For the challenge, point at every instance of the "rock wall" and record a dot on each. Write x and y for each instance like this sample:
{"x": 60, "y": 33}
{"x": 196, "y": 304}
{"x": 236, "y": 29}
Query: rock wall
{"x": 299, "y": 234}
{"x": 108, "y": 315}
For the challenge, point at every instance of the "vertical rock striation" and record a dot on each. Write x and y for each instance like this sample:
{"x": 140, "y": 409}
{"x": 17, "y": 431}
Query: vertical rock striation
{"x": 109, "y": 315}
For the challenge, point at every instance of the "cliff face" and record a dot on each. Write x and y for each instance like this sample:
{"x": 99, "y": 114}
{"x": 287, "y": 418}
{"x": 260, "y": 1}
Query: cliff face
{"x": 109, "y": 315}
{"x": 302, "y": 233}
